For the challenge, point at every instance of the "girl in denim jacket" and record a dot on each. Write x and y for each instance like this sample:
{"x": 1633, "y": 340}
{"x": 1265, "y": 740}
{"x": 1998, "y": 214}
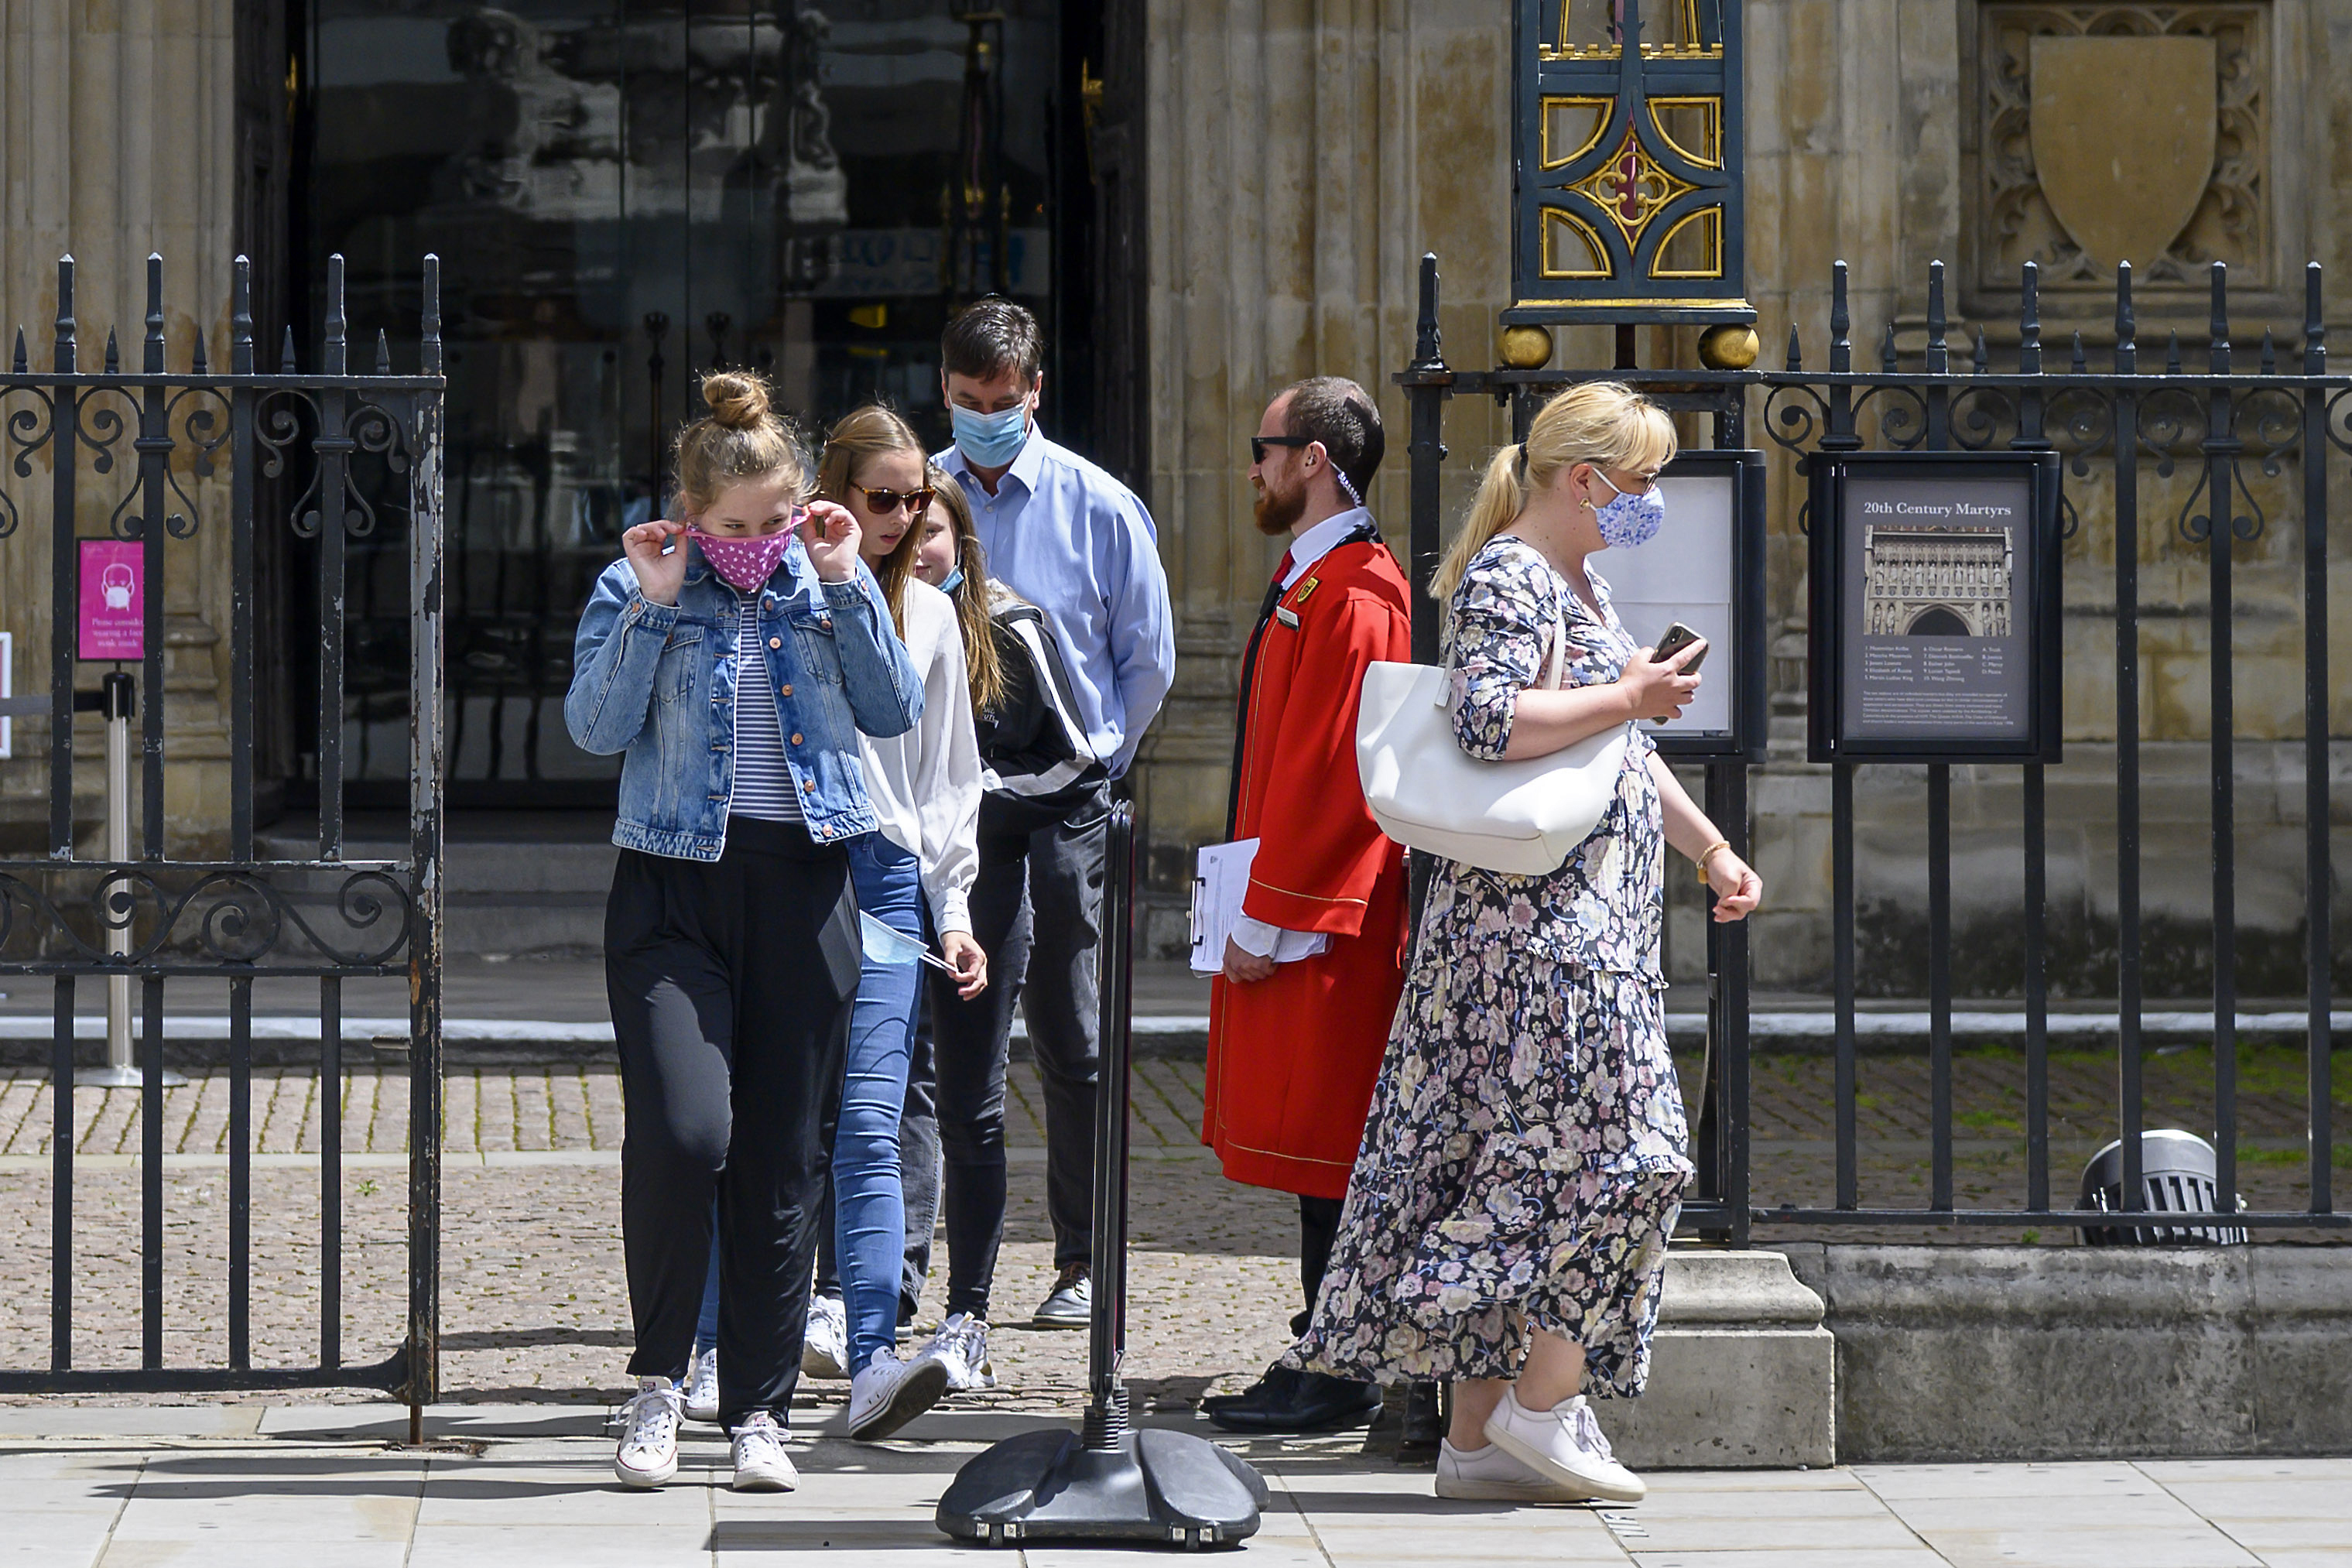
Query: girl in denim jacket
{"x": 731, "y": 658}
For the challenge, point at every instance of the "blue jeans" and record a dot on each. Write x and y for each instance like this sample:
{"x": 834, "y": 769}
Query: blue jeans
{"x": 869, "y": 1207}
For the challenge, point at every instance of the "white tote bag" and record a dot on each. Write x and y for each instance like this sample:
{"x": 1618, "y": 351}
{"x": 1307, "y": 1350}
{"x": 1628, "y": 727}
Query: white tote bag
{"x": 1426, "y": 793}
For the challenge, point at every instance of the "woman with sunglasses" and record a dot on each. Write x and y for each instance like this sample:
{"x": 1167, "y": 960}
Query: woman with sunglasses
{"x": 925, "y": 785}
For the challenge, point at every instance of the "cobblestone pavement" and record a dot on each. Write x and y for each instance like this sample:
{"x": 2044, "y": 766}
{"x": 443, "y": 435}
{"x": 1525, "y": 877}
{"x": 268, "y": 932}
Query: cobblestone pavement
{"x": 533, "y": 1303}
{"x": 199, "y": 1488}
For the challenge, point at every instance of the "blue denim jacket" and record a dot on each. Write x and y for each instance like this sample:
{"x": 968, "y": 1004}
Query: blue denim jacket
{"x": 657, "y": 682}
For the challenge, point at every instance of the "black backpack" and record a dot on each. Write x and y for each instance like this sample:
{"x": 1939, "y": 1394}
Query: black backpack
{"x": 1033, "y": 743}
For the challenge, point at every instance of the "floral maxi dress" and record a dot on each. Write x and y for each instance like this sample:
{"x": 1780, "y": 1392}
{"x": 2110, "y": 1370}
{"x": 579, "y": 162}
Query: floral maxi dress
{"x": 1525, "y": 1154}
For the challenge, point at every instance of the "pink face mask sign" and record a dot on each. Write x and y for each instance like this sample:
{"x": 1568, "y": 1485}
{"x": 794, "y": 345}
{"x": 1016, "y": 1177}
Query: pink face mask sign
{"x": 113, "y": 600}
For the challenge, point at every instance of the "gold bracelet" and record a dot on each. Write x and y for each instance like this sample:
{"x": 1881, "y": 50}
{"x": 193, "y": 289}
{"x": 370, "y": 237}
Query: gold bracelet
{"x": 1706, "y": 854}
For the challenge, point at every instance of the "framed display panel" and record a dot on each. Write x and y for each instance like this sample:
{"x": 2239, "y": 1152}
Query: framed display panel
{"x": 1936, "y": 607}
{"x": 1705, "y": 569}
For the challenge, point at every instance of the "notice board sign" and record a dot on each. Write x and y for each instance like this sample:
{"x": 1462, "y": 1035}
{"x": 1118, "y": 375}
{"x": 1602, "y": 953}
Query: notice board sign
{"x": 1705, "y": 569}
{"x": 112, "y": 600}
{"x": 1936, "y": 632}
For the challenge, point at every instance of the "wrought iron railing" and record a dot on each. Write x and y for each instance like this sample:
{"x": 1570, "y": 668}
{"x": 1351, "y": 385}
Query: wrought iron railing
{"x": 241, "y": 919}
{"x": 2259, "y": 439}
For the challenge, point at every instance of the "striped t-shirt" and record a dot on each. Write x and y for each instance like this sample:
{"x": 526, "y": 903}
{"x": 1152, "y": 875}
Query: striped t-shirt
{"x": 763, "y": 782}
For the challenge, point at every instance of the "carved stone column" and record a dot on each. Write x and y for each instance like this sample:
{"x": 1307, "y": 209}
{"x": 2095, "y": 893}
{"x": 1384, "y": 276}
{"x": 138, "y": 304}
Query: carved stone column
{"x": 115, "y": 140}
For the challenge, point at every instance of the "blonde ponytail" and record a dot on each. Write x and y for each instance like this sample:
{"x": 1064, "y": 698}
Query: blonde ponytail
{"x": 1603, "y": 423}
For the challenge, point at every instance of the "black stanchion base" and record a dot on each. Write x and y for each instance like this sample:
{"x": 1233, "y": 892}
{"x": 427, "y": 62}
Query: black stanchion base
{"x": 1171, "y": 1489}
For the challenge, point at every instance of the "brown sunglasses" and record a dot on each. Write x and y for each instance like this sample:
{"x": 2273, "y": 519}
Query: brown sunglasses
{"x": 916, "y": 501}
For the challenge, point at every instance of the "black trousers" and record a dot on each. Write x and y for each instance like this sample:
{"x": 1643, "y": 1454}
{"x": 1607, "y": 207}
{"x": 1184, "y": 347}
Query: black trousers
{"x": 732, "y": 986}
{"x": 1318, "y": 1227}
{"x": 1036, "y": 911}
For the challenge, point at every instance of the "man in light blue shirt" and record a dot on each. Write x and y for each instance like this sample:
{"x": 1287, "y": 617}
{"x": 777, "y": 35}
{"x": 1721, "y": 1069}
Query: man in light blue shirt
{"x": 1076, "y": 543}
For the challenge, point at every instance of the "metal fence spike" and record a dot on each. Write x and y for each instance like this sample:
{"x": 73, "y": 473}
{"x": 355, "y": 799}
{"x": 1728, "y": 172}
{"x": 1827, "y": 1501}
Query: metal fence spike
{"x": 152, "y": 360}
{"x": 2081, "y": 365}
{"x": 2029, "y": 320}
{"x": 1981, "y": 360}
{"x": 429, "y": 357}
{"x": 21, "y": 364}
{"x": 2314, "y": 324}
{"x": 1840, "y": 322}
{"x": 286, "y": 354}
{"x": 336, "y": 362}
{"x": 2127, "y": 326}
{"x": 1939, "y": 351}
{"x": 2218, "y": 350}
{"x": 1796, "y": 351}
{"x": 197, "y": 363}
{"x": 113, "y": 354}
{"x": 240, "y": 320}
{"x": 382, "y": 353}
{"x": 2270, "y": 355}
{"x": 1887, "y": 349}
{"x": 68, "y": 345}
{"x": 2172, "y": 353}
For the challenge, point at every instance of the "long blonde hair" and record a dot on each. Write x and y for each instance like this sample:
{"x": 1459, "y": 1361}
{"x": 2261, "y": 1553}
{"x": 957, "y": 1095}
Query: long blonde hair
{"x": 858, "y": 436}
{"x": 740, "y": 438}
{"x": 1604, "y": 423}
{"x": 971, "y": 595}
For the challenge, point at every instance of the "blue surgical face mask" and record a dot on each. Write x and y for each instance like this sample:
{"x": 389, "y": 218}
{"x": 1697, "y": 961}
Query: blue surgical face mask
{"x": 991, "y": 440}
{"x": 952, "y": 581}
{"x": 1630, "y": 519}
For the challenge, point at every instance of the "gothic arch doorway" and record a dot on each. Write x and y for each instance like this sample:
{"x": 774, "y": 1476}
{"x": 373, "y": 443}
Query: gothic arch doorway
{"x": 1938, "y": 621}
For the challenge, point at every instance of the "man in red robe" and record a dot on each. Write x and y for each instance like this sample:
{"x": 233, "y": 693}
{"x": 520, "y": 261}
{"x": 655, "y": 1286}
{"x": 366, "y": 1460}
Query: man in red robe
{"x": 1297, "y": 1025}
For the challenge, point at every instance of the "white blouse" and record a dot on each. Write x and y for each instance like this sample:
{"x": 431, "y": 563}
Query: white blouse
{"x": 925, "y": 784}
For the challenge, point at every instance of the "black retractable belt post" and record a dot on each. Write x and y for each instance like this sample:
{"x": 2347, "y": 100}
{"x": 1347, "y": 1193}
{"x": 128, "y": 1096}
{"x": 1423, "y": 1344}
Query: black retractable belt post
{"x": 1109, "y": 1481}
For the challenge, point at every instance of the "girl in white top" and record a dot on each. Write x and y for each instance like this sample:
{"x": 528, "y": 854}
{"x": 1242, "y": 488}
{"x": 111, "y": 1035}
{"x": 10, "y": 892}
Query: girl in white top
{"x": 925, "y": 786}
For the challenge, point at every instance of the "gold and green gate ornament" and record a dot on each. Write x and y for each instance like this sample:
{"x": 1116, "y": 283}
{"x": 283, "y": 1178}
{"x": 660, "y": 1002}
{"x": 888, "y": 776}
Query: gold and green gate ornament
{"x": 1626, "y": 188}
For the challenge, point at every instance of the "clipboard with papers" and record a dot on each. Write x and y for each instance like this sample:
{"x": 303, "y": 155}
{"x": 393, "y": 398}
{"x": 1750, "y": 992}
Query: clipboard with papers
{"x": 1221, "y": 878}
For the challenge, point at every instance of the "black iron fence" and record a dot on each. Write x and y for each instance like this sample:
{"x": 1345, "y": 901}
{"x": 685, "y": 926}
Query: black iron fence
{"x": 292, "y": 445}
{"x": 2258, "y": 432}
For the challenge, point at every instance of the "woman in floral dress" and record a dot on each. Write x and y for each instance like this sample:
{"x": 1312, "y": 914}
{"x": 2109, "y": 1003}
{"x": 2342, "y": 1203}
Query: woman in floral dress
{"x": 1506, "y": 1223}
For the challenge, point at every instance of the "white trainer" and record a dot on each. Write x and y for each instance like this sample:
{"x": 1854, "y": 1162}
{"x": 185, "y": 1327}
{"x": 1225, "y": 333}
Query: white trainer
{"x": 889, "y": 1392}
{"x": 702, "y": 1386}
{"x": 825, "y": 1349}
{"x": 1490, "y": 1474}
{"x": 647, "y": 1454}
{"x": 1564, "y": 1443}
{"x": 961, "y": 1345}
{"x": 761, "y": 1463}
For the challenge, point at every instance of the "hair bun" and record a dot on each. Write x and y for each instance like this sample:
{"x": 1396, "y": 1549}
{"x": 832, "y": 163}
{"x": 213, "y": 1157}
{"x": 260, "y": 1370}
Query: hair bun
{"x": 738, "y": 399}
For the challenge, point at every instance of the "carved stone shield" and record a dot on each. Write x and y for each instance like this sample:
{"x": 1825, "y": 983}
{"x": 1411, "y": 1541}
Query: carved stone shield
{"x": 2122, "y": 132}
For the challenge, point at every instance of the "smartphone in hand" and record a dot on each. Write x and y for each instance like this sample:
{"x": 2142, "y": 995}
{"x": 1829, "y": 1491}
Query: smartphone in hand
{"x": 1672, "y": 641}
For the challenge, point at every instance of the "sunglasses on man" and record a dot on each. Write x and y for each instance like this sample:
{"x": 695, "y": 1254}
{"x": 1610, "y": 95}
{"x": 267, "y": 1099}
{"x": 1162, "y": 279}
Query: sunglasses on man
{"x": 885, "y": 502}
{"x": 1258, "y": 444}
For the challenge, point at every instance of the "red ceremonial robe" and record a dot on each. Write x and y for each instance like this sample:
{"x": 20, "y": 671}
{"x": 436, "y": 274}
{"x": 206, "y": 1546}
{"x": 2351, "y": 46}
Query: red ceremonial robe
{"x": 1291, "y": 1058}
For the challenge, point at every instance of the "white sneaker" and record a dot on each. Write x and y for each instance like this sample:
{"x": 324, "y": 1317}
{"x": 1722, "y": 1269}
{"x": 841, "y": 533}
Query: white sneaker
{"x": 1490, "y": 1474}
{"x": 961, "y": 1346}
{"x": 825, "y": 1349}
{"x": 702, "y": 1386}
{"x": 761, "y": 1463}
{"x": 647, "y": 1454}
{"x": 889, "y": 1392}
{"x": 1565, "y": 1443}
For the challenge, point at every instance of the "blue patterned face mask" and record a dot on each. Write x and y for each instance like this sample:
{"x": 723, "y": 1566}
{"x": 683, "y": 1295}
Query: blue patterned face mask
{"x": 1630, "y": 519}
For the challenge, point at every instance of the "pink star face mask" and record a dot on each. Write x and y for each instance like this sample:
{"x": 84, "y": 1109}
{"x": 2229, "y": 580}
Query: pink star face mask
{"x": 746, "y": 563}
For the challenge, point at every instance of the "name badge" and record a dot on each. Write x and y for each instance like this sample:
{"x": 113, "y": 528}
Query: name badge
{"x": 1287, "y": 616}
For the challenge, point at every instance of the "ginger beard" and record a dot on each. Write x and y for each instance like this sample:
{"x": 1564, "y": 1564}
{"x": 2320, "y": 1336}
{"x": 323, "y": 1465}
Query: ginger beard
{"x": 1277, "y": 510}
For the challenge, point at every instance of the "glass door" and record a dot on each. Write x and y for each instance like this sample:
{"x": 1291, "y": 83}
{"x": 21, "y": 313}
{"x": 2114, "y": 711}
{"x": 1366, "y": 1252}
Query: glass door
{"x": 625, "y": 194}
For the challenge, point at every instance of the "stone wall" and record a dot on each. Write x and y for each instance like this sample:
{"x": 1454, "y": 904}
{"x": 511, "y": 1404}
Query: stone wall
{"x": 114, "y": 143}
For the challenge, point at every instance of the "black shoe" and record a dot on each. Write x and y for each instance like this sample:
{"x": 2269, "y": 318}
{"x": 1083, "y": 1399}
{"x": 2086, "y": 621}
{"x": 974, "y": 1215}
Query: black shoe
{"x": 1278, "y": 1386}
{"x": 1299, "y": 1403}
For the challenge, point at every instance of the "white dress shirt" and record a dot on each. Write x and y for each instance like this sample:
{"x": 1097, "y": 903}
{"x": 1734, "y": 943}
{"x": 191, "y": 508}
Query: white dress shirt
{"x": 925, "y": 784}
{"x": 1254, "y": 936}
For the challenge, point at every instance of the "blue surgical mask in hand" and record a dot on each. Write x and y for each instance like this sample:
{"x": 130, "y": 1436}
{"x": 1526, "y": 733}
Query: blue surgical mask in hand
{"x": 893, "y": 949}
{"x": 992, "y": 440}
{"x": 1630, "y": 519}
